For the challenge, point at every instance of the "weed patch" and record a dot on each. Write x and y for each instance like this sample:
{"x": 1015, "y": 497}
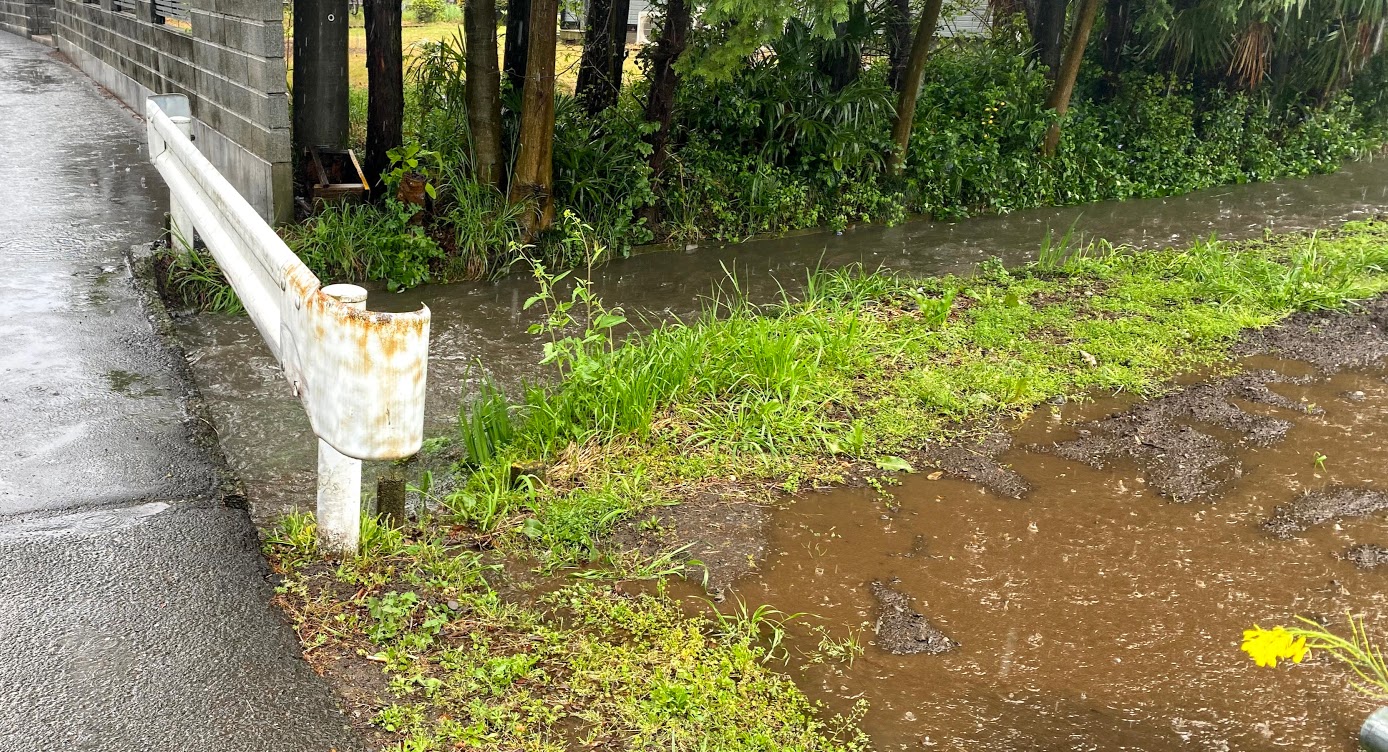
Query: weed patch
{"x": 583, "y": 666}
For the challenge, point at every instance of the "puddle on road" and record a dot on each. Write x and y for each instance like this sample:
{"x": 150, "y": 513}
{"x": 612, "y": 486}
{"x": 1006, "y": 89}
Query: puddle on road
{"x": 131, "y": 384}
{"x": 1094, "y": 614}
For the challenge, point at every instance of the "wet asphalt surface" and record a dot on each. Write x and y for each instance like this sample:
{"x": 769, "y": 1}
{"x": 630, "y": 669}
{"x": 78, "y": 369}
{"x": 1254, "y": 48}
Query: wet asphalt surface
{"x": 134, "y": 602}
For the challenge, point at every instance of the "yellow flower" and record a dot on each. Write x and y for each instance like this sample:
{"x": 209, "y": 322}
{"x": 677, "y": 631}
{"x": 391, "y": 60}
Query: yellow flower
{"x": 1299, "y": 650}
{"x": 1267, "y": 646}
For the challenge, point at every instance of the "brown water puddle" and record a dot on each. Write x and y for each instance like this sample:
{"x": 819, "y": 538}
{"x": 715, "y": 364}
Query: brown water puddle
{"x": 1094, "y": 614}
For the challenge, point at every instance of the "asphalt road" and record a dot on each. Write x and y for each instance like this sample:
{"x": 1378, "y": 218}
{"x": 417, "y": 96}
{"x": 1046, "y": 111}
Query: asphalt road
{"x": 134, "y": 602}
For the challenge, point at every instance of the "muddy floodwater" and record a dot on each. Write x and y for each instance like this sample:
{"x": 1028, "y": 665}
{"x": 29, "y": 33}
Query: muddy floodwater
{"x": 479, "y": 329}
{"x": 1101, "y": 610}
{"x": 1094, "y": 613}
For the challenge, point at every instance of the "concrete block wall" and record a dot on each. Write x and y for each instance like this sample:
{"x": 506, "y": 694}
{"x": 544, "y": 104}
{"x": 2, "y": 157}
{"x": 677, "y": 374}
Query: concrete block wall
{"x": 228, "y": 59}
{"x": 26, "y": 18}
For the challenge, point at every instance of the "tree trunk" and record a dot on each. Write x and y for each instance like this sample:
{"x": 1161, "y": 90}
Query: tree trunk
{"x": 842, "y": 61}
{"x": 660, "y": 104}
{"x": 1047, "y": 21}
{"x": 483, "y": 90}
{"x": 604, "y": 52}
{"x": 320, "y": 109}
{"x": 621, "y": 12}
{"x": 532, "y": 181}
{"x": 898, "y": 42}
{"x": 1064, "y": 87}
{"x": 1117, "y": 25}
{"x": 911, "y": 85}
{"x": 385, "y": 99}
{"x": 517, "y": 42}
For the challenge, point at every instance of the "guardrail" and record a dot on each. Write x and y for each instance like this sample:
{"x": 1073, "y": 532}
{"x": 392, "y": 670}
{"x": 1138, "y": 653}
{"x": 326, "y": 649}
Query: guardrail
{"x": 359, "y": 374}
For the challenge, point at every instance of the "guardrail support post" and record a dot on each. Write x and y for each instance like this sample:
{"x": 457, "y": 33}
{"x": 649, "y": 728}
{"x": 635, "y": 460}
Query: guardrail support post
{"x": 339, "y": 501}
{"x": 360, "y": 377}
{"x": 180, "y": 224}
{"x": 339, "y": 476}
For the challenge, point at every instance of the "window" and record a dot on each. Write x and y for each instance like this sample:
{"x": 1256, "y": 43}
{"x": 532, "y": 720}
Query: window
{"x": 172, "y": 13}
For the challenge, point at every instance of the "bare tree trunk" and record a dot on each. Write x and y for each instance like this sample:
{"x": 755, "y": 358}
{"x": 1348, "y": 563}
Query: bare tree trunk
{"x": 842, "y": 62}
{"x": 1047, "y": 21}
{"x": 621, "y": 12}
{"x": 660, "y": 103}
{"x": 483, "y": 90}
{"x": 532, "y": 181}
{"x": 898, "y": 42}
{"x": 385, "y": 99}
{"x": 1118, "y": 21}
{"x": 911, "y": 85}
{"x": 1059, "y": 100}
{"x": 604, "y": 52}
{"x": 517, "y": 42}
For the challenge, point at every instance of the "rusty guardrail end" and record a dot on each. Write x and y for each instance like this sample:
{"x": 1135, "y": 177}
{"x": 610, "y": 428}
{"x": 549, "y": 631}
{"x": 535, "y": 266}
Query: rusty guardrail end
{"x": 375, "y": 366}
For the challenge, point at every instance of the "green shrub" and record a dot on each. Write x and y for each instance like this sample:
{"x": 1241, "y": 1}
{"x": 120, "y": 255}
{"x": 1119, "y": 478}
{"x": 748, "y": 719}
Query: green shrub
{"x": 427, "y": 11}
{"x": 781, "y": 146}
{"x": 365, "y": 242}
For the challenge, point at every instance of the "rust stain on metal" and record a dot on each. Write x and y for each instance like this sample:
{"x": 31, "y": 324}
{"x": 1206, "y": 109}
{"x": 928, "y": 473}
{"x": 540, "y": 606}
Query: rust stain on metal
{"x": 362, "y": 376}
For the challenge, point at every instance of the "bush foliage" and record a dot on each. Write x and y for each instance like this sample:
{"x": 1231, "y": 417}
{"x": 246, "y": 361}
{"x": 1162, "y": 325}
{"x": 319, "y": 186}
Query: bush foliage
{"x": 775, "y": 147}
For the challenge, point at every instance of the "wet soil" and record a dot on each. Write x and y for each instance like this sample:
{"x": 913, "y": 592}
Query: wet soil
{"x": 1094, "y": 613}
{"x": 1367, "y": 555}
{"x": 1174, "y": 437}
{"x": 1324, "y": 505}
{"x": 900, "y": 629}
{"x": 1187, "y": 441}
{"x": 723, "y": 532}
{"x": 976, "y": 459}
{"x": 1329, "y": 341}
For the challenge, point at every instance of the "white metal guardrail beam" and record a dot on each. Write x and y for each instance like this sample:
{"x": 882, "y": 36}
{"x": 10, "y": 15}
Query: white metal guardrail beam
{"x": 359, "y": 374}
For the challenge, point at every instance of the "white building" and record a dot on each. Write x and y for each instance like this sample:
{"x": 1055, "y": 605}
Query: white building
{"x": 568, "y": 20}
{"x": 970, "y": 20}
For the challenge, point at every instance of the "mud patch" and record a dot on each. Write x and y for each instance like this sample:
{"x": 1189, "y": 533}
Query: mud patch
{"x": 901, "y": 630}
{"x": 724, "y": 532}
{"x": 1330, "y": 341}
{"x": 977, "y": 461}
{"x": 1172, "y": 439}
{"x": 363, "y": 688}
{"x": 1367, "y": 556}
{"x": 1318, "y": 507}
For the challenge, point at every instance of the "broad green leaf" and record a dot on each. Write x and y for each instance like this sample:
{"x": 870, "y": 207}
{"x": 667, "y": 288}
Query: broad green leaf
{"x": 894, "y": 465}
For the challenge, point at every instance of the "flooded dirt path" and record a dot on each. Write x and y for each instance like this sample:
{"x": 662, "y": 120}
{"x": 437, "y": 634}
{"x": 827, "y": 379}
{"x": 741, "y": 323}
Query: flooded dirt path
{"x": 1095, "y": 614}
{"x": 479, "y": 329}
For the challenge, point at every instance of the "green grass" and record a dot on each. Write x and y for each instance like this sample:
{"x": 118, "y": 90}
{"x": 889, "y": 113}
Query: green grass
{"x": 870, "y": 366}
{"x": 194, "y": 280}
{"x": 582, "y": 667}
{"x": 851, "y": 379}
